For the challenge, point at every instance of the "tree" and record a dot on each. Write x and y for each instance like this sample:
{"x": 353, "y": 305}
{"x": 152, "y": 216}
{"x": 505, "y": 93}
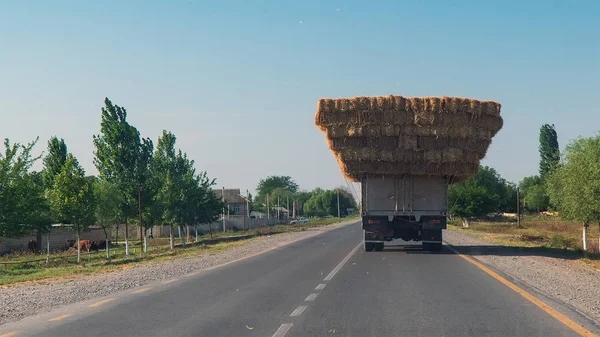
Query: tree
{"x": 509, "y": 203}
{"x": 209, "y": 204}
{"x": 348, "y": 197}
{"x": 301, "y": 198}
{"x": 20, "y": 191}
{"x": 549, "y": 151}
{"x": 326, "y": 203}
{"x": 151, "y": 209}
{"x": 40, "y": 219}
{"x": 574, "y": 186}
{"x": 201, "y": 203}
{"x": 72, "y": 199}
{"x": 527, "y": 183}
{"x": 184, "y": 197}
{"x": 54, "y": 160}
{"x": 482, "y": 194}
{"x": 539, "y": 199}
{"x": 536, "y": 198}
{"x": 107, "y": 199}
{"x": 122, "y": 157}
{"x": 268, "y": 185}
{"x": 283, "y": 196}
{"x": 169, "y": 166}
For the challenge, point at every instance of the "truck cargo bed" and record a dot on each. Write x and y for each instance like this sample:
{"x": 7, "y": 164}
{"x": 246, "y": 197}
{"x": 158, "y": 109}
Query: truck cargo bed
{"x": 411, "y": 208}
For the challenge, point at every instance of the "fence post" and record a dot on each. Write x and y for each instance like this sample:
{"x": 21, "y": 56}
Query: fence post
{"x": 518, "y": 208}
{"x": 585, "y": 229}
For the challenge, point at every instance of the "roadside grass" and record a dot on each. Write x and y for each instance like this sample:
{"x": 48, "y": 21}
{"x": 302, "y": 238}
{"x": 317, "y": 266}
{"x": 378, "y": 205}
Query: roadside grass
{"x": 544, "y": 234}
{"x": 64, "y": 265}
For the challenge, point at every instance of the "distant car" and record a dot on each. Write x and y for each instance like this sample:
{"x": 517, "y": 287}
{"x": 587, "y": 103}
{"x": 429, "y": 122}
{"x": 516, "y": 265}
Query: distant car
{"x": 299, "y": 220}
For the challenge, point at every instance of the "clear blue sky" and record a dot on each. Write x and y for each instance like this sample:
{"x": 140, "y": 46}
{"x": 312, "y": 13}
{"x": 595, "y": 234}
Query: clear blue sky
{"x": 238, "y": 81}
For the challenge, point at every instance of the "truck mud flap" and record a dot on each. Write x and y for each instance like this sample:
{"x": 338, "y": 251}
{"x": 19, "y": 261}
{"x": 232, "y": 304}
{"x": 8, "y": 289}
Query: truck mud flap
{"x": 372, "y": 238}
{"x": 431, "y": 236}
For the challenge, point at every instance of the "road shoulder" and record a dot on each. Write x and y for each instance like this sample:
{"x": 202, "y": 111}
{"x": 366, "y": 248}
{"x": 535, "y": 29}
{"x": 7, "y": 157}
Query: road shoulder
{"x": 568, "y": 287}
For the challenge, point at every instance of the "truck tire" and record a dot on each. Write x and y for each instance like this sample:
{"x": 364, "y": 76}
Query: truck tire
{"x": 379, "y": 247}
{"x": 369, "y": 246}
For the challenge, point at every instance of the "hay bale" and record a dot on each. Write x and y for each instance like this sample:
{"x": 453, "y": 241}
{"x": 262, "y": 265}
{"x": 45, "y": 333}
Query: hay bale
{"x": 452, "y": 155}
{"x": 395, "y": 135}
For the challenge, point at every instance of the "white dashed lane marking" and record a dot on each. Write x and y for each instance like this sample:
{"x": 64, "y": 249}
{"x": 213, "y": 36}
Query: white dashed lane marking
{"x": 311, "y": 297}
{"x": 283, "y": 329}
{"x": 341, "y": 264}
{"x": 299, "y": 310}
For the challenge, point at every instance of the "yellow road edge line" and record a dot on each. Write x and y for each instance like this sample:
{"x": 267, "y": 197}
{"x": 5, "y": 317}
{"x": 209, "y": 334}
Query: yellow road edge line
{"x": 169, "y": 281}
{"x": 97, "y": 304}
{"x": 58, "y": 318}
{"x": 549, "y": 310}
{"x": 192, "y": 274}
{"x": 9, "y": 334}
{"x": 141, "y": 290}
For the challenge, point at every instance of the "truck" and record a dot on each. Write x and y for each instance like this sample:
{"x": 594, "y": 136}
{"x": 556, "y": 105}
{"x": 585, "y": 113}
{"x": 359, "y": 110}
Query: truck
{"x": 411, "y": 208}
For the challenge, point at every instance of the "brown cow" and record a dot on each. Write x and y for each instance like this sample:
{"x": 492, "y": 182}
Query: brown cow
{"x": 85, "y": 245}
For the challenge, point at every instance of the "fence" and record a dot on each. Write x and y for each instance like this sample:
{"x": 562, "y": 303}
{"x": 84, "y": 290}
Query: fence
{"x": 58, "y": 236}
{"x": 231, "y": 223}
{"x": 134, "y": 250}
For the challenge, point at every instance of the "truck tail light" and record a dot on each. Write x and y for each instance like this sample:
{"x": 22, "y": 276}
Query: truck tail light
{"x": 435, "y": 221}
{"x": 372, "y": 222}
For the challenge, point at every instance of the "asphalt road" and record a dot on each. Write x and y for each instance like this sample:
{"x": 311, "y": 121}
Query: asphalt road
{"x": 321, "y": 286}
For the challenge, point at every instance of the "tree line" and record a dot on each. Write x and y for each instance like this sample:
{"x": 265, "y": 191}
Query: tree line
{"x": 317, "y": 202}
{"x": 487, "y": 192}
{"x": 568, "y": 183}
{"x": 137, "y": 184}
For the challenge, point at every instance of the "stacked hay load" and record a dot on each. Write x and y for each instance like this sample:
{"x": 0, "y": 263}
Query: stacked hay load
{"x": 395, "y": 135}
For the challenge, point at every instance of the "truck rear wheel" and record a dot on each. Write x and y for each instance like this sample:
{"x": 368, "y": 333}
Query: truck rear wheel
{"x": 369, "y": 246}
{"x": 379, "y": 247}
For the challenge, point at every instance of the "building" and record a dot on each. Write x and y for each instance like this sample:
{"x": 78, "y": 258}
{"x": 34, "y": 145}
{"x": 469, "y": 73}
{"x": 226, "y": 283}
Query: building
{"x": 235, "y": 201}
{"x": 257, "y": 215}
{"x": 283, "y": 212}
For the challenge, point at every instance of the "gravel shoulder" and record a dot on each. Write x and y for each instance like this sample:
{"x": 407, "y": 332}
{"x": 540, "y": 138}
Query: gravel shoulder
{"x": 20, "y": 301}
{"x": 553, "y": 276}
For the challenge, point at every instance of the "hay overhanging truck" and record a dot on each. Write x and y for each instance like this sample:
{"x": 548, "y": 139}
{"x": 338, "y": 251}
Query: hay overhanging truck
{"x": 405, "y": 152}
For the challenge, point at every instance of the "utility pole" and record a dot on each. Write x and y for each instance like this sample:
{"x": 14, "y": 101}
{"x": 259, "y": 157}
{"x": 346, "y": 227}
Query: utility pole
{"x": 278, "y": 209}
{"x": 338, "y": 199}
{"x": 288, "y": 206}
{"x": 140, "y": 211}
{"x": 268, "y": 213}
{"x": 247, "y": 206}
{"x": 518, "y": 208}
{"x": 294, "y": 209}
{"x": 223, "y": 213}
